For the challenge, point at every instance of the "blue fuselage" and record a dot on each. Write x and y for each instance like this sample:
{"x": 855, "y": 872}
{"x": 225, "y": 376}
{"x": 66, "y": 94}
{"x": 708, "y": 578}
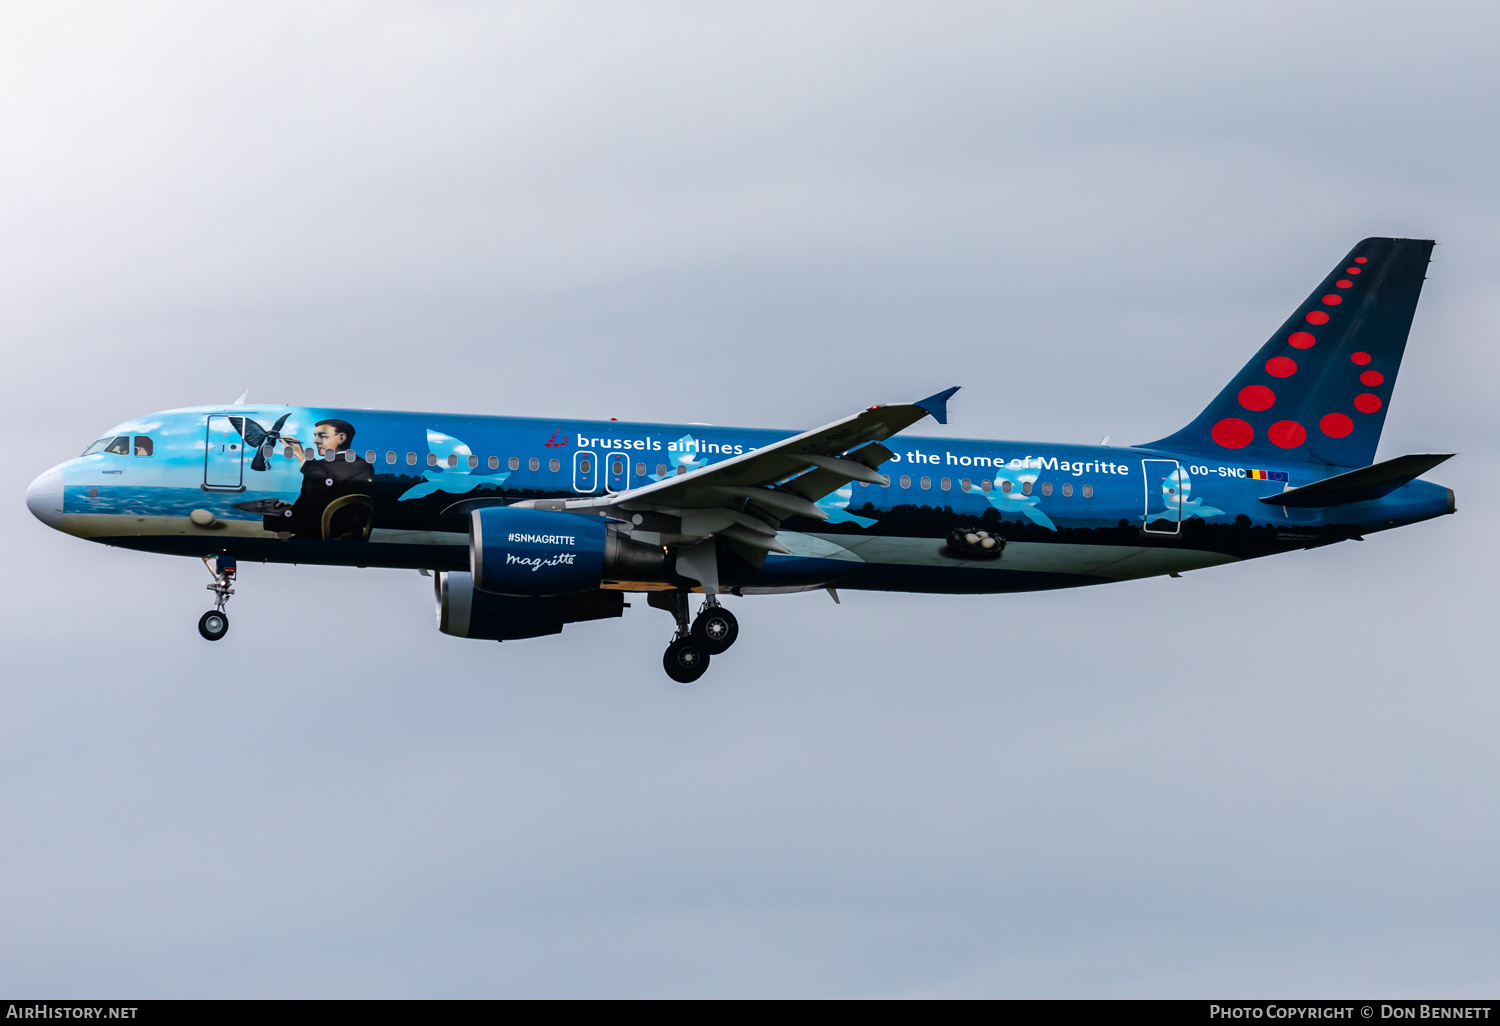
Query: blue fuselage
{"x": 277, "y": 483}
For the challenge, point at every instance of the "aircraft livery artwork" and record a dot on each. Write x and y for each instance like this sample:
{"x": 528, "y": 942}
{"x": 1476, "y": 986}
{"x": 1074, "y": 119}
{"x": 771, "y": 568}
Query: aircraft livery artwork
{"x": 528, "y": 525}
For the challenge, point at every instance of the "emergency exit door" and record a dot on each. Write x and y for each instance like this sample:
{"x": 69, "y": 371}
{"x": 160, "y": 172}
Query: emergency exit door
{"x": 616, "y": 472}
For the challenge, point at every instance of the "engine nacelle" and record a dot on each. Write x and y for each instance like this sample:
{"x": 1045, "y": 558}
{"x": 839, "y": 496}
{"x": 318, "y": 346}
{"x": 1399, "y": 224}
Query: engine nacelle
{"x": 534, "y": 553}
{"x": 465, "y": 612}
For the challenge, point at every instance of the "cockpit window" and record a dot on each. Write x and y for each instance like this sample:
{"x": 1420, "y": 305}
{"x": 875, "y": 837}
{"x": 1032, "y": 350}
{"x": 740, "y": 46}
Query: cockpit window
{"x": 119, "y": 446}
{"x": 143, "y": 446}
{"x": 97, "y": 446}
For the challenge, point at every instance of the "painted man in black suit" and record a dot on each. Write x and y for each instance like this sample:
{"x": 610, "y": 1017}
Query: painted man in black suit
{"x": 335, "y": 472}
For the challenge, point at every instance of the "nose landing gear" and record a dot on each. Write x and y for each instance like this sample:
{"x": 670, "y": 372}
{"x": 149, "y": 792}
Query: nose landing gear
{"x": 214, "y": 624}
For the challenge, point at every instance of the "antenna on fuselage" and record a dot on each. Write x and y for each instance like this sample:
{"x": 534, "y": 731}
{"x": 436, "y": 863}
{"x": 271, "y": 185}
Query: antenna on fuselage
{"x": 241, "y": 400}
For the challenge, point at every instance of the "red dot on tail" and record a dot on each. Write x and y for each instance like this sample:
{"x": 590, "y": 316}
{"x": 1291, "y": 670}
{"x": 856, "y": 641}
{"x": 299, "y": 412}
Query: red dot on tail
{"x": 1332, "y": 300}
{"x": 1287, "y": 433}
{"x": 1351, "y": 270}
{"x": 1361, "y": 260}
{"x": 1232, "y": 433}
{"x": 1336, "y": 425}
{"x": 1372, "y": 378}
{"x": 1366, "y": 403}
{"x": 1257, "y": 398}
{"x": 1317, "y": 317}
{"x": 1281, "y": 366}
{"x": 1301, "y": 339}
{"x": 1360, "y": 358}
{"x": 1344, "y": 283}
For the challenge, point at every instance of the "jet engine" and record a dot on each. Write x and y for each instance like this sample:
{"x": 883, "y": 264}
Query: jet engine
{"x": 540, "y": 553}
{"x": 533, "y": 570}
{"x": 466, "y": 612}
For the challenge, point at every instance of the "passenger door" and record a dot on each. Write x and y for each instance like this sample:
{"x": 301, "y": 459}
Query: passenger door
{"x": 224, "y": 454}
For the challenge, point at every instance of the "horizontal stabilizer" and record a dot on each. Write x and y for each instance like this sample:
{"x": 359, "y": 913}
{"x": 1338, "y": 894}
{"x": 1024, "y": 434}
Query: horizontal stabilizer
{"x": 1359, "y": 485}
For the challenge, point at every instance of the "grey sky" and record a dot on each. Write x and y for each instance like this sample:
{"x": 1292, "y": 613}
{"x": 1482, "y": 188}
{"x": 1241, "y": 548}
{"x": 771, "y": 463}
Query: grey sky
{"x": 1277, "y": 778}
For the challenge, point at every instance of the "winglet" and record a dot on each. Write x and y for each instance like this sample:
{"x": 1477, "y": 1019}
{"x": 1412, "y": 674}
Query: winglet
{"x": 937, "y": 405}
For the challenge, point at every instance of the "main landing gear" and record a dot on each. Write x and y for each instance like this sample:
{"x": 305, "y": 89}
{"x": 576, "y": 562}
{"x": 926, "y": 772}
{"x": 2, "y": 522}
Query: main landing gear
{"x": 711, "y": 633}
{"x": 214, "y": 624}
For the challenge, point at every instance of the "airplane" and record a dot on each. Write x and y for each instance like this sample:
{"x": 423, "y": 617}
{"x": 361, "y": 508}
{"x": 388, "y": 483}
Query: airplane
{"x": 527, "y": 525}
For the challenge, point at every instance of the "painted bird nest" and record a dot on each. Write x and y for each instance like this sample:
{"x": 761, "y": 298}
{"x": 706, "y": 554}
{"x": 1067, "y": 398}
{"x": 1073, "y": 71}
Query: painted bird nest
{"x": 974, "y": 543}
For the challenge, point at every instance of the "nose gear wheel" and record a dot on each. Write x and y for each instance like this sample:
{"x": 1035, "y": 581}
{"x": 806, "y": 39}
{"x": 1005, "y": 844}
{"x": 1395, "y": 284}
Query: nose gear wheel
{"x": 213, "y": 624}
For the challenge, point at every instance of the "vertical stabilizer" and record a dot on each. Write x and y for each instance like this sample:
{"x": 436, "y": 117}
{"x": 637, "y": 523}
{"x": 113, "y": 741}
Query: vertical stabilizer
{"x": 1319, "y": 389}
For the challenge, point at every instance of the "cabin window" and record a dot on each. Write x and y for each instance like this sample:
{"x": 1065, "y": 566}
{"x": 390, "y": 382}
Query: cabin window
{"x": 390, "y": 456}
{"x": 681, "y": 470}
{"x": 885, "y": 480}
{"x": 432, "y": 459}
{"x": 640, "y": 470}
{"x": 97, "y": 447}
{"x": 584, "y": 467}
{"x": 926, "y": 483}
{"x": 121, "y": 446}
{"x": 514, "y": 463}
{"x": 985, "y": 485}
{"x": 1067, "y": 491}
{"x": 1025, "y": 487}
{"x": 370, "y": 456}
{"x": 1088, "y": 491}
{"x": 905, "y": 481}
{"x": 534, "y": 463}
{"x": 452, "y": 459}
{"x": 661, "y": 470}
{"x": 965, "y": 484}
{"x": 945, "y": 484}
{"x": 494, "y": 462}
{"x": 143, "y": 445}
{"x": 473, "y": 462}
{"x": 1046, "y": 487}
{"x": 1006, "y": 486}
{"x": 554, "y": 465}
{"x": 617, "y": 468}
{"x": 411, "y": 459}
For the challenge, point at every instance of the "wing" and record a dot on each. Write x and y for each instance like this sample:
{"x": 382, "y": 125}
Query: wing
{"x": 744, "y": 499}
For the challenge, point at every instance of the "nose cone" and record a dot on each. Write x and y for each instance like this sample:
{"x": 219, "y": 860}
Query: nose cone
{"x": 45, "y": 498}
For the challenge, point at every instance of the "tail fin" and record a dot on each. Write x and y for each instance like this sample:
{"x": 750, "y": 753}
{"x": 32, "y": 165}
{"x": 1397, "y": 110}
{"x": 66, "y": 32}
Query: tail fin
{"x": 1319, "y": 389}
